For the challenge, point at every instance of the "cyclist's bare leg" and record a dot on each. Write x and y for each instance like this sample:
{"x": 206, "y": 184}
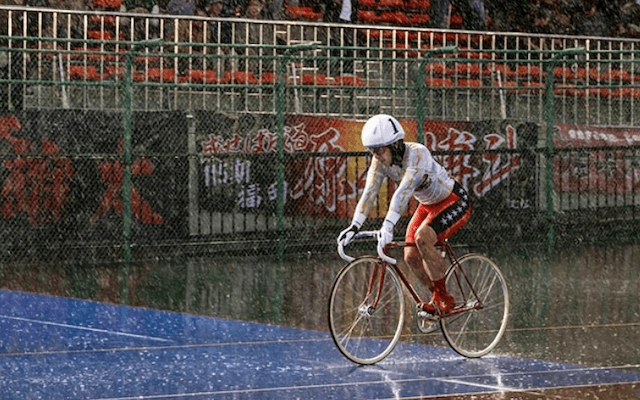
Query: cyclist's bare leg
{"x": 426, "y": 239}
{"x": 434, "y": 266}
{"x": 425, "y": 260}
{"x": 414, "y": 259}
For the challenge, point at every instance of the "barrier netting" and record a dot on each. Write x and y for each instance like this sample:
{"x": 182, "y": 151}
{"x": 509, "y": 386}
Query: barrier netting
{"x": 130, "y": 154}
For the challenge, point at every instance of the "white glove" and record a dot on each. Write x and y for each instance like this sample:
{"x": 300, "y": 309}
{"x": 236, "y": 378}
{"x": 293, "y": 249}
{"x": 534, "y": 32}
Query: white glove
{"x": 346, "y": 236}
{"x": 385, "y": 234}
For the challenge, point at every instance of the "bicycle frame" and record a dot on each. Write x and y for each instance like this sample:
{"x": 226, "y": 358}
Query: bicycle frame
{"x": 457, "y": 270}
{"x": 401, "y": 275}
{"x": 372, "y": 281}
{"x": 385, "y": 260}
{"x": 458, "y": 273}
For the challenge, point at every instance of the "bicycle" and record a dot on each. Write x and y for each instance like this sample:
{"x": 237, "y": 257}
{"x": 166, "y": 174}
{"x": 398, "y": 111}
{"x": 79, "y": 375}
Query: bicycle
{"x": 366, "y": 304}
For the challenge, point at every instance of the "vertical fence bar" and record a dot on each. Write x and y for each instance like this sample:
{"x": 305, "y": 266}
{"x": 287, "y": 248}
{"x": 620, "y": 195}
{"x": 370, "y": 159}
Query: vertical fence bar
{"x": 549, "y": 149}
{"x": 280, "y": 111}
{"x": 548, "y": 111}
{"x": 126, "y": 181}
{"x": 280, "y": 196}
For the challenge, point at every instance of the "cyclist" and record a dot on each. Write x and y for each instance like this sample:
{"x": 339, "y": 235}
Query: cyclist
{"x": 444, "y": 205}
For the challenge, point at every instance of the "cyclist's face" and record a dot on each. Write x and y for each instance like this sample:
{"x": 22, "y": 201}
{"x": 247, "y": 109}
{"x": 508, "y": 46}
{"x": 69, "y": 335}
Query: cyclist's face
{"x": 382, "y": 154}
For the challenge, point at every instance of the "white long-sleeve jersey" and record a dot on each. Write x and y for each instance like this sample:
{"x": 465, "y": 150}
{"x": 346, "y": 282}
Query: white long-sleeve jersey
{"x": 420, "y": 176}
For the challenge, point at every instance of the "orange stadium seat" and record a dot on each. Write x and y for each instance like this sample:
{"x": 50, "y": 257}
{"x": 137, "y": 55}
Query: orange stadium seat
{"x": 381, "y": 3}
{"x": 529, "y": 72}
{"x": 81, "y": 72}
{"x": 456, "y": 20}
{"x": 115, "y": 72}
{"x": 436, "y": 69}
{"x": 376, "y": 33}
{"x": 626, "y": 92}
{"x": 96, "y": 54}
{"x": 468, "y": 69}
{"x": 392, "y": 3}
{"x": 418, "y": 4}
{"x": 314, "y": 79}
{"x": 475, "y": 54}
{"x": 372, "y": 17}
{"x": 560, "y": 73}
{"x": 107, "y": 4}
{"x": 404, "y": 35}
{"x": 416, "y": 19}
{"x": 100, "y": 35}
{"x": 616, "y": 75}
{"x": 303, "y": 13}
{"x": 200, "y": 76}
{"x": 151, "y": 60}
{"x": 239, "y": 78}
{"x": 439, "y": 82}
{"x": 156, "y": 75}
{"x": 532, "y": 87}
{"x": 463, "y": 82}
{"x": 269, "y": 78}
{"x": 569, "y": 91}
{"x": 504, "y": 84}
{"x": 600, "y": 92}
{"x": 505, "y": 71}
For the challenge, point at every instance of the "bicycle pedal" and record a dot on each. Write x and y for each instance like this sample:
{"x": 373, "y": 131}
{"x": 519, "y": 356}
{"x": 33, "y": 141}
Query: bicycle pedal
{"x": 428, "y": 316}
{"x": 426, "y": 323}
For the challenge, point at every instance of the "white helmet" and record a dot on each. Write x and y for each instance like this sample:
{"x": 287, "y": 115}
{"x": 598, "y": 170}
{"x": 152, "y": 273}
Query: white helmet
{"x": 381, "y": 130}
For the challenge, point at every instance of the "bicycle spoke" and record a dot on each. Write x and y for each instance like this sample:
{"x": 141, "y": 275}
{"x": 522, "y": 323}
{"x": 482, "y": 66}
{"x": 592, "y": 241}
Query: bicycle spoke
{"x": 463, "y": 326}
{"x": 485, "y": 290}
{"x": 495, "y": 305}
{"x": 358, "y": 338}
{"x": 347, "y": 333}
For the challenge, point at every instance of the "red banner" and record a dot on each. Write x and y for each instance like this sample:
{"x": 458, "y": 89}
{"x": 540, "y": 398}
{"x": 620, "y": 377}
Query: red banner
{"x": 613, "y": 170}
{"x": 330, "y": 185}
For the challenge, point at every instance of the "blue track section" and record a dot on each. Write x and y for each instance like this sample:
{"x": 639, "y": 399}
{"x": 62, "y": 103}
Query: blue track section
{"x": 58, "y": 348}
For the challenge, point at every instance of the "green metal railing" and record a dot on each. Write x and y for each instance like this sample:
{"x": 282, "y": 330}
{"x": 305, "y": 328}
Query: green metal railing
{"x": 283, "y": 91}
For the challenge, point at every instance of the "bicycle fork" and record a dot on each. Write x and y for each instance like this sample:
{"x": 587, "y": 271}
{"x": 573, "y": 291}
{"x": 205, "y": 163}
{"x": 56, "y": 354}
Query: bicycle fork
{"x": 377, "y": 276}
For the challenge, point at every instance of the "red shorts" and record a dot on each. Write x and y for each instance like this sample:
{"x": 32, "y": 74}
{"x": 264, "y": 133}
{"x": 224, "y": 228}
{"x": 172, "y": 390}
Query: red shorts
{"x": 445, "y": 217}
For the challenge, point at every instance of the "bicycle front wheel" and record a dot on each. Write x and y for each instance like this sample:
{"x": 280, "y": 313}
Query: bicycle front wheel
{"x": 480, "y": 319}
{"x": 366, "y": 310}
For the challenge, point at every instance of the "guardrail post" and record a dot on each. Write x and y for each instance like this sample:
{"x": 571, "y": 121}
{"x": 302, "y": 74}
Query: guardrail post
{"x": 126, "y": 148}
{"x": 549, "y": 149}
{"x": 281, "y": 195}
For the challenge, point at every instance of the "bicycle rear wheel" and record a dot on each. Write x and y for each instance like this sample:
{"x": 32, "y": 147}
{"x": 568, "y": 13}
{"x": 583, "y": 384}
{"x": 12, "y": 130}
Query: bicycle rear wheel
{"x": 366, "y": 310}
{"x": 480, "y": 319}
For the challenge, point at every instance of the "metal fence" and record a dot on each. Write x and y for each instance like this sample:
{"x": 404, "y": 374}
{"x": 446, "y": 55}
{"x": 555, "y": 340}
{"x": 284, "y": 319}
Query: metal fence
{"x": 360, "y": 68}
{"x": 243, "y": 136}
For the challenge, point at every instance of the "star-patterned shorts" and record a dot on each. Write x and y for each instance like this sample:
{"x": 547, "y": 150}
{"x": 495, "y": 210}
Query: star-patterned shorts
{"x": 445, "y": 217}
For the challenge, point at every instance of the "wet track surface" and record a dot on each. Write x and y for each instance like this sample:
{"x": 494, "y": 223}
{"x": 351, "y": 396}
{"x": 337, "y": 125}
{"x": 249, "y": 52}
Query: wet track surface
{"x": 60, "y": 348}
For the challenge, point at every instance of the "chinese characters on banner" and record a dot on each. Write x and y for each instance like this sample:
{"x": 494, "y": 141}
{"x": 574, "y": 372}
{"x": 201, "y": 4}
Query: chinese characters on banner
{"x": 37, "y": 184}
{"x": 327, "y": 182}
{"x": 313, "y": 180}
{"x": 597, "y": 160}
{"x": 112, "y": 174}
{"x": 62, "y": 174}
